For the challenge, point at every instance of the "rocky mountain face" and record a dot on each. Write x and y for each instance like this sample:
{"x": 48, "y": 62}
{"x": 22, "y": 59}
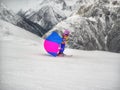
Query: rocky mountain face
{"x": 47, "y": 17}
{"x": 31, "y": 26}
{"x": 95, "y": 26}
{"x": 11, "y": 17}
{"x": 107, "y": 15}
{"x": 113, "y": 38}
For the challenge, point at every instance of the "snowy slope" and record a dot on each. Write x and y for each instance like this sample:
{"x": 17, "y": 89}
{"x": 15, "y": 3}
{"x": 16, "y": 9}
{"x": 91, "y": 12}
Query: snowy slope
{"x": 9, "y": 30}
{"x": 8, "y": 15}
{"x": 26, "y": 66}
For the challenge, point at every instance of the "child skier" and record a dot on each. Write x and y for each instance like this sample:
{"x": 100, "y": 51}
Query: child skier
{"x": 64, "y": 41}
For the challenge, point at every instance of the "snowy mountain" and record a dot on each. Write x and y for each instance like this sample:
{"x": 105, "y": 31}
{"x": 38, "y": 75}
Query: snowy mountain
{"x": 62, "y": 5}
{"x": 11, "y": 17}
{"x": 24, "y": 65}
{"x": 94, "y": 27}
{"x": 47, "y": 16}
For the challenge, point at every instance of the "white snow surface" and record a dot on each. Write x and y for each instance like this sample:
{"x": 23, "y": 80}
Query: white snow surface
{"x": 24, "y": 65}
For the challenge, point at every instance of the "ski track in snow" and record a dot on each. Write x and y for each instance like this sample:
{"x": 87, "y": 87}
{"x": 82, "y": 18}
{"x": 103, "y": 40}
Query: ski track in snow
{"x": 26, "y": 66}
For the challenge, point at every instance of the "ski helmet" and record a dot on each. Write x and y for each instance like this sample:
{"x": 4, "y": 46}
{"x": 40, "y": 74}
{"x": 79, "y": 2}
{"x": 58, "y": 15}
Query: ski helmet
{"x": 66, "y": 32}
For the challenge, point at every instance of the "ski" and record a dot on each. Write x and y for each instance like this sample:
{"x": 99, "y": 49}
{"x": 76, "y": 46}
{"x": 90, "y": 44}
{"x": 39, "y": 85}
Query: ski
{"x": 65, "y": 55}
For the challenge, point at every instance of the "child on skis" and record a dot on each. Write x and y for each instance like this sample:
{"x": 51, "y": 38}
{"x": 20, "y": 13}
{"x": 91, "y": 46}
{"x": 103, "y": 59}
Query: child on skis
{"x": 64, "y": 41}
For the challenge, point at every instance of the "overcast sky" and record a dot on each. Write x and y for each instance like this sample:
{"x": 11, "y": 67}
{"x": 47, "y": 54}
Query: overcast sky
{"x": 16, "y": 5}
